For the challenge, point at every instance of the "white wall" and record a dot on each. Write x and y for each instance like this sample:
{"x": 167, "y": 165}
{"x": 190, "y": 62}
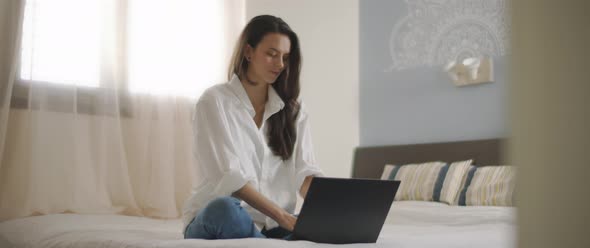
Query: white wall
{"x": 328, "y": 32}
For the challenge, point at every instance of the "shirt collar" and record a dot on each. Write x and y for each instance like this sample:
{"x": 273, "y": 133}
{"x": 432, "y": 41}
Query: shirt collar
{"x": 273, "y": 105}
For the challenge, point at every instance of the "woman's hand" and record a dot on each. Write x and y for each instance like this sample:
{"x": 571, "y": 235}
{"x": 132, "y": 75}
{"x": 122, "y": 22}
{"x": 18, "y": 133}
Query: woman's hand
{"x": 286, "y": 221}
{"x": 249, "y": 194}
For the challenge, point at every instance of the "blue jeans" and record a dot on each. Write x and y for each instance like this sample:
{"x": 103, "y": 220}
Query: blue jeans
{"x": 224, "y": 218}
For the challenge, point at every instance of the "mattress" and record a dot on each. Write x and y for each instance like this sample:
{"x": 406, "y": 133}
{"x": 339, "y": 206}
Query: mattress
{"x": 408, "y": 224}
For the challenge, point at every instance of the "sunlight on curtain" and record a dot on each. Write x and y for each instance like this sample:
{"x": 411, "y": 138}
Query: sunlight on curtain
{"x": 69, "y": 54}
{"x": 175, "y": 47}
{"x": 96, "y": 116}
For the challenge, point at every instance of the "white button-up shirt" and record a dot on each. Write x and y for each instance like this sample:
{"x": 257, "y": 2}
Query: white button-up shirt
{"x": 230, "y": 151}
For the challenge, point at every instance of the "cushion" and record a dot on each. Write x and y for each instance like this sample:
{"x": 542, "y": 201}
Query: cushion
{"x": 489, "y": 186}
{"x": 452, "y": 183}
{"x": 431, "y": 181}
{"x": 417, "y": 180}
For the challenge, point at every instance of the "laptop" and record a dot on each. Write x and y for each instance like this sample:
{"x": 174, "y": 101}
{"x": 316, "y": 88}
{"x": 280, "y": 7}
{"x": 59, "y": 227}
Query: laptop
{"x": 343, "y": 211}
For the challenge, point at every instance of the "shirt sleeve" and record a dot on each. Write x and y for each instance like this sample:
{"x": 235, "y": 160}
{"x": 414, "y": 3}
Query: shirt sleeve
{"x": 215, "y": 153}
{"x": 305, "y": 162}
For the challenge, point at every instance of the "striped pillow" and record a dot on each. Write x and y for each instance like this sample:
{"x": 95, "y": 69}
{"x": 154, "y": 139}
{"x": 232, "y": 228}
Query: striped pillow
{"x": 417, "y": 180}
{"x": 432, "y": 181}
{"x": 452, "y": 182}
{"x": 469, "y": 175}
{"x": 489, "y": 186}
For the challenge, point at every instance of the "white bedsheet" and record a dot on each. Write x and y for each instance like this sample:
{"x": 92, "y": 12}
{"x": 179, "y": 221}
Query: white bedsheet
{"x": 409, "y": 224}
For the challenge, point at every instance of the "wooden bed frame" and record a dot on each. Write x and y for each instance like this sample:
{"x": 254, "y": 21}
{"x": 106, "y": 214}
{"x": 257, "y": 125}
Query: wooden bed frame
{"x": 369, "y": 161}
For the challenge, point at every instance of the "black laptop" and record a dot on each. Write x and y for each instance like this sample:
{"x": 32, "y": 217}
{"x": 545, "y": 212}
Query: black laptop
{"x": 343, "y": 211}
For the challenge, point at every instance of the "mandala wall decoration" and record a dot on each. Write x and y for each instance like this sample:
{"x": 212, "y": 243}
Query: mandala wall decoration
{"x": 435, "y": 32}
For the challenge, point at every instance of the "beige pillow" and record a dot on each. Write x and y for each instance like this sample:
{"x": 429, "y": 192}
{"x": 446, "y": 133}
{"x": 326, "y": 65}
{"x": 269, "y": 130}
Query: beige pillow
{"x": 431, "y": 181}
{"x": 489, "y": 186}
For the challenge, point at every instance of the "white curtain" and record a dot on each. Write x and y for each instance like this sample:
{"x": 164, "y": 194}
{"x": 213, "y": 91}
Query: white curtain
{"x": 96, "y": 101}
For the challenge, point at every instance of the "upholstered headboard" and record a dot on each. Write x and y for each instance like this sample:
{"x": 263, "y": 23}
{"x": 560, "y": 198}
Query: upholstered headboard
{"x": 369, "y": 161}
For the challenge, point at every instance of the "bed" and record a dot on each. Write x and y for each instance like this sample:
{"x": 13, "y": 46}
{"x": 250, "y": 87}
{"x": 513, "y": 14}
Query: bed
{"x": 409, "y": 223}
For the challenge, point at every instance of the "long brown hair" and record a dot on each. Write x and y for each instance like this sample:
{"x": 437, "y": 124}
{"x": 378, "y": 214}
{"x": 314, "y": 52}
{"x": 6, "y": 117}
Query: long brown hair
{"x": 282, "y": 131}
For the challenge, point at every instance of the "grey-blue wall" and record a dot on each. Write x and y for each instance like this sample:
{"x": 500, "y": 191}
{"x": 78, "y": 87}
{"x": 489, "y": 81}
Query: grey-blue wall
{"x": 420, "y": 104}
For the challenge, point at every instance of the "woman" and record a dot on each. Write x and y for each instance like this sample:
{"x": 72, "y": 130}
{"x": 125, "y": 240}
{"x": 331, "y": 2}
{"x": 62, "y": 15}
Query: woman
{"x": 252, "y": 139}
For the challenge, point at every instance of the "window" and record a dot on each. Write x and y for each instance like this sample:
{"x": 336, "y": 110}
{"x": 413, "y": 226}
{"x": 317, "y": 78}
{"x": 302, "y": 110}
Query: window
{"x": 173, "y": 47}
{"x": 61, "y": 42}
